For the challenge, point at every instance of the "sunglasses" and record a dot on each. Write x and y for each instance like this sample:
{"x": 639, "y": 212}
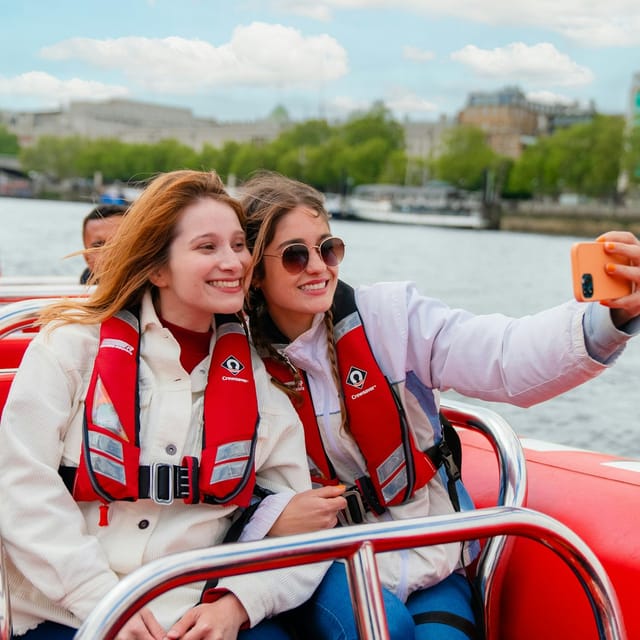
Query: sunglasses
{"x": 295, "y": 257}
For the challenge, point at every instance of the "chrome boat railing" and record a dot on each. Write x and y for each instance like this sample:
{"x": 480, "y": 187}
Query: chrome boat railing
{"x": 358, "y": 546}
{"x": 5, "y": 604}
{"x": 22, "y": 314}
{"x": 13, "y": 289}
{"x": 512, "y": 485}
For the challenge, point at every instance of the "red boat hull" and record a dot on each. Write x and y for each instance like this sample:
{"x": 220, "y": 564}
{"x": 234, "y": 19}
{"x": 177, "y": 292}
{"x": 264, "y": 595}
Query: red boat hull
{"x": 537, "y": 596}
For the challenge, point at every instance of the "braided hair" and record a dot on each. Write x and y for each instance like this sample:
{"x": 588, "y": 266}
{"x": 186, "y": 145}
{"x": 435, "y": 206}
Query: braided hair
{"x": 266, "y": 198}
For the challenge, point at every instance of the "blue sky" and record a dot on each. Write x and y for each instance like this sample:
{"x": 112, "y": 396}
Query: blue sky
{"x": 238, "y": 59}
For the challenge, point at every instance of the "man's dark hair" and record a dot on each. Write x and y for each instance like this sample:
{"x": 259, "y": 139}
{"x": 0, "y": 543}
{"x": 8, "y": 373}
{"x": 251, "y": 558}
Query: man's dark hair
{"x": 103, "y": 211}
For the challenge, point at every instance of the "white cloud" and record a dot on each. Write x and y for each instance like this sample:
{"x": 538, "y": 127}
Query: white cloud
{"x": 257, "y": 55}
{"x": 344, "y": 105}
{"x": 614, "y": 23}
{"x": 53, "y": 92}
{"x": 549, "y": 97}
{"x": 417, "y": 55}
{"x": 400, "y": 102}
{"x": 314, "y": 10}
{"x": 407, "y": 103}
{"x": 538, "y": 64}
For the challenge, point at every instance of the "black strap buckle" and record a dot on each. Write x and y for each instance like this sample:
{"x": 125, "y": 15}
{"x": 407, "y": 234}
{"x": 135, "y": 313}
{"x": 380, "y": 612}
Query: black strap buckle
{"x": 355, "y": 511}
{"x": 453, "y": 470}
{"x": 161, "y": 483}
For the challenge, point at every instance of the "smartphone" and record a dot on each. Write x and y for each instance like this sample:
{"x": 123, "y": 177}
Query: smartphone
{"x": 590, "y": 280}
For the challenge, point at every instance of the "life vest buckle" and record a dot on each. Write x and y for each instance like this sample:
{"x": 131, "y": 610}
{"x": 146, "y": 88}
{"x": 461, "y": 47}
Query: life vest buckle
{"x": 161, "y": 483}
{"x": 355, "y": 511}
{"x": 453, "y": 470}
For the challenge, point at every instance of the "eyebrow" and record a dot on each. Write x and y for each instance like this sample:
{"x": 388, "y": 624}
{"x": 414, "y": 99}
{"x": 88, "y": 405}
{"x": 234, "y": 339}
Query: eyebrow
{"x": 291, "y": 241}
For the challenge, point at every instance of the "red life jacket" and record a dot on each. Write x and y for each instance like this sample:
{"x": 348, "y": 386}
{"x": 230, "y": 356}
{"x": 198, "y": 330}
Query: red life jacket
{"x": 109, "y": 467}
{"x": 396, "y": 467}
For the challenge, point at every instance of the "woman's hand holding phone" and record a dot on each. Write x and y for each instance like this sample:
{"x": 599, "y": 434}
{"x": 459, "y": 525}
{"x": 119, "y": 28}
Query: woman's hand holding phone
{"x": 615, "y": 270}
{"x": 593, "y": 278}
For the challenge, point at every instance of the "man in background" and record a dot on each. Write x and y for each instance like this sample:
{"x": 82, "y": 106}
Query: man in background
{"x": 99, "y": 226}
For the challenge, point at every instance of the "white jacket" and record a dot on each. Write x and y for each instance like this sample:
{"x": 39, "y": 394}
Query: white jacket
{"x": 61, "y": 563}
{"x": 423, "y": 346}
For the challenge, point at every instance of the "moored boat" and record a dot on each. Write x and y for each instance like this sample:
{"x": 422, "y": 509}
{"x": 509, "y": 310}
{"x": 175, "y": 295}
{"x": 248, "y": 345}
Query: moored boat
{"x": 577, "y": 524}
{"x": 435, "y": 204}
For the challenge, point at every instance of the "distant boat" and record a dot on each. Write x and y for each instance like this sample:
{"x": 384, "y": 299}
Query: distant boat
{"x": 436, "y": 204}
{"x": 335, "y": 204}
{"x": 116, "y": 194}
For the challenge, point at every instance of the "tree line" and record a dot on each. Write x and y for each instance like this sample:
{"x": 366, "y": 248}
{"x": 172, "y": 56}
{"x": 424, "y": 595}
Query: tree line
{"x": 587, "y": 158}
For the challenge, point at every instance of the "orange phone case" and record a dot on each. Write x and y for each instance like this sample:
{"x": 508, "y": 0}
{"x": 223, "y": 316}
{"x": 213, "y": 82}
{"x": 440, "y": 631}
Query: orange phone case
{"x": 590, "y": 280}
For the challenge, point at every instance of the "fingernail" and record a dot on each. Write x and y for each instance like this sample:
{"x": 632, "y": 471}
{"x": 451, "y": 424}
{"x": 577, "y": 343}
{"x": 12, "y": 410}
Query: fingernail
{"x": 609, "y": 245}
{"x": 610, "y": 267}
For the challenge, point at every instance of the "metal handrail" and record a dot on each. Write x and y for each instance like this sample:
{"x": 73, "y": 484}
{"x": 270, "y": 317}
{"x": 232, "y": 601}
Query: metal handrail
{"x": 13, "y": 289}
{"x": 22, "y": 314}
{"x": 512, "y": 485}
{"x": 5, "y": 604}
{"x": 356, "y": 544}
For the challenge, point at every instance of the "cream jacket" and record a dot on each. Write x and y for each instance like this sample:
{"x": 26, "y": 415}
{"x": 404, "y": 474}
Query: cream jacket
{"x": 424, "y": 347}
{"x": 61, "y": 563}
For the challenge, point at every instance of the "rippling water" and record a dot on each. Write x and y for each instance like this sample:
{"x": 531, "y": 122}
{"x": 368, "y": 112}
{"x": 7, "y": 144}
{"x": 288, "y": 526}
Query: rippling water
{"x": 482, "y": 271}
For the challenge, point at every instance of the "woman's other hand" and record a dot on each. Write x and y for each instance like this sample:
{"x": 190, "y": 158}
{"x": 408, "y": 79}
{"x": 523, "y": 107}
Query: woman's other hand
{"x": 310, "y": 510}
{"x": 141, "y": 626}
{"x": 625, "y": 245}
{"x": 219, "y": 620}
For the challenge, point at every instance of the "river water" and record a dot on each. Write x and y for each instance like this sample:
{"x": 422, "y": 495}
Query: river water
{"x": 482, "y": 271}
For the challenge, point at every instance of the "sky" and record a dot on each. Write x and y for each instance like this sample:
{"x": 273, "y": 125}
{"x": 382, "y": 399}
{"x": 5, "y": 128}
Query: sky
{"x": 236, "y": 60}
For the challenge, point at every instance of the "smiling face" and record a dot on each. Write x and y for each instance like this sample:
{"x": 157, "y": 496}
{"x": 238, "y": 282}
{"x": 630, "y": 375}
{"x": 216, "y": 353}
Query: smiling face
{"x": 294, "y": 299}
{"x": 208, "y": 262}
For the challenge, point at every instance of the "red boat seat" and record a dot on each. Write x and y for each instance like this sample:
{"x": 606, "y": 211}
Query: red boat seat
{"x": 535, "y": 594}
{"x": 6, "y": 378}
{"x": 12, "y": 348}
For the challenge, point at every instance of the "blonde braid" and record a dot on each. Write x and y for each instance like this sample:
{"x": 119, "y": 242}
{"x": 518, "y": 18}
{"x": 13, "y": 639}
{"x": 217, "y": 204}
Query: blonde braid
{"x": 335, "y": 372}
{"x": 258, "y": 316}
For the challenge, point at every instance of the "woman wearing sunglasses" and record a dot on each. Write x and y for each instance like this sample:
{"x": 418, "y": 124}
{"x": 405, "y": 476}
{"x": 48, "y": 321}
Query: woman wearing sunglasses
{"x": 364, "y": 369}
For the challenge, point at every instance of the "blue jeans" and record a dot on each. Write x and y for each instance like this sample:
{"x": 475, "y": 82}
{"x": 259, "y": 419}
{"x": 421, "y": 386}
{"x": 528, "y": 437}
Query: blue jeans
{"x": 49, "y": 631}
{"x": 444, "y": 611}
{"x": 266, "y": 630}
{"x": 328, "y": 614}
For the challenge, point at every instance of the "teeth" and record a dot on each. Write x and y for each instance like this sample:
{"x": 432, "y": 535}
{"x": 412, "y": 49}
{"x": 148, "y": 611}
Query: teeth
{"x": 225, "y": 284}
{"x": 313, "y": 287}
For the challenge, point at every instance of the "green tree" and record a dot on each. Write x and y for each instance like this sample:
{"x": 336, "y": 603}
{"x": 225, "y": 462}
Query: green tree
{"x": 366, "y": 161}
{"x": 535, "y": 172}
{"x": 54, "y": 156}
{"x": 631, "y": 156}
{"x": 219, "y": 160}
{"x": 8, "y": 142}
{"x": 327, "y": 166}
{"x": 249, "y": 158}
{"x": 466, "y": 157}
{"x": 378, "y": 123}
{"x": 585, "y": 158}
{"x": 170, "y": 154}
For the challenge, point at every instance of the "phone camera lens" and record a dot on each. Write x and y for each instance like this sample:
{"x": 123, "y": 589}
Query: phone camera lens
{"x": 587, "y": 285}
